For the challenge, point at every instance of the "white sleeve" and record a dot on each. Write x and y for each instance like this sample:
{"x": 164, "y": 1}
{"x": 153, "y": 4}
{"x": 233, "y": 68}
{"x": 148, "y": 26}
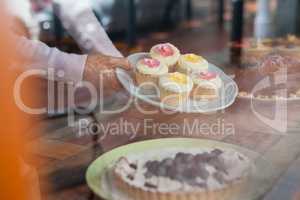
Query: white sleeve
{"x": 81, "y": 23}
{"x": 40, "y": 56}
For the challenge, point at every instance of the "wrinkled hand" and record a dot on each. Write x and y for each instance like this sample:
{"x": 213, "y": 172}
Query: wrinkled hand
{"x": 105, "y": 67}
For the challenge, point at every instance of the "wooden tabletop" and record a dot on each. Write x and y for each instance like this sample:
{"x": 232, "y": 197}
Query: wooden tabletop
{"x": 62, "y": 156}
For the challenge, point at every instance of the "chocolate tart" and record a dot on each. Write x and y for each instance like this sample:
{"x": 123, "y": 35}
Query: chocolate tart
{"x": 183, "y": 175}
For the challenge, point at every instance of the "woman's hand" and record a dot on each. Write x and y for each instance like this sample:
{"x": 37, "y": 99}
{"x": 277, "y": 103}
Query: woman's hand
{"x": 100, "y": 69}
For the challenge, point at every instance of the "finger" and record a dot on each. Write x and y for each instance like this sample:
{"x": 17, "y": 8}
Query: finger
{"x": 111, "y": 81}
{"x": 121, "y": 62}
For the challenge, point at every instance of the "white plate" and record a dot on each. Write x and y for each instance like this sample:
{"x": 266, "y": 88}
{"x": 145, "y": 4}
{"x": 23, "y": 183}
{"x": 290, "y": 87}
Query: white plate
{"x": 228, "y": 93}
{"x": 98, "y": 177}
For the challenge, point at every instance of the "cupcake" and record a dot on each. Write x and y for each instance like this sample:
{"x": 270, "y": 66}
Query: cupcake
{"x": 206, "y": 86}
{"x": 190, "y": 63}
{"x": 165, "y": 53}
{"x": 148, "y": 72}
{"x": 175, "y": 88}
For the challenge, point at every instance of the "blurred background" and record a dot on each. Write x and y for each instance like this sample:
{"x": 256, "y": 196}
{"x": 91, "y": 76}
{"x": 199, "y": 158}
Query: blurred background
{"x": 200, "y": 26}
{"x": 207, "y": 27}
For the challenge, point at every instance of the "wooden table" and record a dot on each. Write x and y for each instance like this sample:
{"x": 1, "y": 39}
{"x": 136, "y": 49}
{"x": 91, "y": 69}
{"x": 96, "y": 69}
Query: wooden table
{"x": 63, "y": 157}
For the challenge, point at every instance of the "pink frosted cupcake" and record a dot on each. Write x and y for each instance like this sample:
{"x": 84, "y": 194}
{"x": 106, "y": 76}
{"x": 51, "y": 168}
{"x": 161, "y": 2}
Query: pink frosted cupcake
{"x": 166, "y": 53}
{"x": 206, "y": 85}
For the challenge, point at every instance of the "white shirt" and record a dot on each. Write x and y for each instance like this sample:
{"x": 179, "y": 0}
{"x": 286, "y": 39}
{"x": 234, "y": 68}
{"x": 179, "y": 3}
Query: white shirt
{"x": 78, "y": 18}
{"x": 43, "y": 57}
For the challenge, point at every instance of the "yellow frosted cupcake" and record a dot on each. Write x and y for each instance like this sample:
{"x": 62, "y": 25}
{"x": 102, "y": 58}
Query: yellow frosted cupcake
{"x": 206, "y": 85}
{"x": 190, "y": 63}
{"x": 175, "y": 88}
{"x": 166, "y": 53}
{"x": 148, "y": 72}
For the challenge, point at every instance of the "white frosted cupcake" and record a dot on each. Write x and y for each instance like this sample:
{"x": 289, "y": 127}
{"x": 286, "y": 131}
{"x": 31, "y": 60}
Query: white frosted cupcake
{"x": 148, "y": 71}
{"x": 175, "y": 88}
{"x": 190, "y": 63}
{"x": 206, "y": 85}
{"x": 166, "y": 53}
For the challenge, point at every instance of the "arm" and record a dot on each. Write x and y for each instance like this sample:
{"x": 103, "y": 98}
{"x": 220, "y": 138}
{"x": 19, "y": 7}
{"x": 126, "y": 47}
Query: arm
{"x": 76, "y": 68}
{"x": 79, "y": 20}
{"x": 40, "y": 56}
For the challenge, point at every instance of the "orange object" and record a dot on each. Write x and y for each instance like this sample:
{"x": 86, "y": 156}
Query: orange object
{"x": 13, "y": 123}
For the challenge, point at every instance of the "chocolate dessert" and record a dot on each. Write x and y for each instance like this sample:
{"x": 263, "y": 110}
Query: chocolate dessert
{"x": 182, "y": 174}
{"x": 274, "y": 67}
{"x": 177, "y": 169}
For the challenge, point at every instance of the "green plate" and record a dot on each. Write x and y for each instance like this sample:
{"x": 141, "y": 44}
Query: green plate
{"x": 261, "y": 181}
